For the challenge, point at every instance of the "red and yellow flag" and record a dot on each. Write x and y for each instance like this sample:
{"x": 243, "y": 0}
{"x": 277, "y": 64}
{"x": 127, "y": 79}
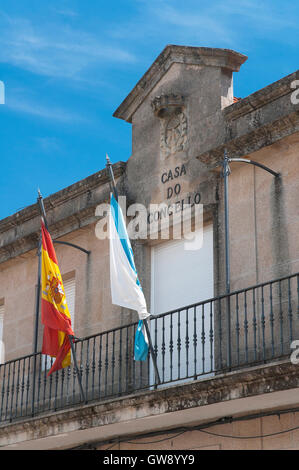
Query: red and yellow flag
{"x": 55, "y": 314}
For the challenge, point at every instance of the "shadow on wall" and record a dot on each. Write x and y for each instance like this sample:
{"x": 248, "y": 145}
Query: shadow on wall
{"x": 279, "y": 239}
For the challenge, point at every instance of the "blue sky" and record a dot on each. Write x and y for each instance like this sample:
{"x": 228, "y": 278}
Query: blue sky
{"x": 68, "y": 64}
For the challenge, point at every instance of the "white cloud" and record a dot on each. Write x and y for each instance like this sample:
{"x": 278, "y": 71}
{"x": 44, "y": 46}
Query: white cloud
{"x": 48, "y": 144}
{"x": 55, "y": 50}
{"x": 232, "y": 23}
{"x": 197, "y": 24}
{"x": 23, "y": 105}
{"x": 65, "y": 12}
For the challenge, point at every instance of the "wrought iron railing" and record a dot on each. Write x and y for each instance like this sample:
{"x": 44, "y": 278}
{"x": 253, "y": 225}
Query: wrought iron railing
{"x": 247, "y": 327}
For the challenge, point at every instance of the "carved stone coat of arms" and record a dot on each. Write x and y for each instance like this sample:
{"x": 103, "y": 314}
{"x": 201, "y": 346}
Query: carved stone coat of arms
{"x": 173, "y": 123}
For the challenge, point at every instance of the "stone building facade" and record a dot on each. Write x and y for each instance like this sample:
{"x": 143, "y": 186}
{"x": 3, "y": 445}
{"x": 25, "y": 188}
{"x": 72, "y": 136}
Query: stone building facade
{"x": 223, "y": 357}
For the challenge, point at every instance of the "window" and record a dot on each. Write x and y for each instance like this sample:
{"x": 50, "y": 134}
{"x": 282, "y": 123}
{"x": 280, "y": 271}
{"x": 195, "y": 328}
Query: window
{"x": 179, "y": 278}
{"x": 70, "y": 291}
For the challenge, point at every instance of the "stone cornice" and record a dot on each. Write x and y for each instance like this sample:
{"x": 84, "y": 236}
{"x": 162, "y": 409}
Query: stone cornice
{"x": 252, "y": 141}
{"x": 54, "y": 200}
{"x": 67, "y": 210}
{"x": 261, "y": 97}
{"x": 257, "y": 121}
{"x": 196, "y": 395}
{"x": 204, "y": 56}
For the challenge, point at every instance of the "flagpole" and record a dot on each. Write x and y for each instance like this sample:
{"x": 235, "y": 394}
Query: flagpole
{"x": 115, "y": 193}
{"x": 37, "y": 296}
{"x": 37, "y": 305}
{"x": 111, "y": 178}
{"x": 71, "y": 338}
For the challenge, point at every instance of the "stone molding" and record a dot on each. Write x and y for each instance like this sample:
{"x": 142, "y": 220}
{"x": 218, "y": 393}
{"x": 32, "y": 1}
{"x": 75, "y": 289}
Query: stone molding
{"x": 201, "y": 56}
{"x": 280, "y": 376}
{"x": 250, "y": 123}
{"x": 252, "y": 141}
{"x": 261, "y": 97}
{"x": 68, "y": 210}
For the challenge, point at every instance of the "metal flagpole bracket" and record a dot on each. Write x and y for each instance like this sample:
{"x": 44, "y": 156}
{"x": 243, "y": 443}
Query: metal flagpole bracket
{"x": 226, "y": 171}
{"x": 43, "y": 213}
{"x": 73, "y": 246}
{"x": 252, "y": 162}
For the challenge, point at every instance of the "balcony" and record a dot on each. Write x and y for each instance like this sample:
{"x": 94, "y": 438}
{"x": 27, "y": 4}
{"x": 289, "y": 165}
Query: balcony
{"x": 244, "y": 329}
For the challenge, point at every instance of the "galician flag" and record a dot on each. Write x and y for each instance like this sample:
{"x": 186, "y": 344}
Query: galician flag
{"x": 54, "y": 310}
{"x": 126, "y": 290}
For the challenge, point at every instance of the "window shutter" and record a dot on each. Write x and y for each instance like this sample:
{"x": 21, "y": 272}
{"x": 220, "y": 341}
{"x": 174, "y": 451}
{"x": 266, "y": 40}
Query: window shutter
{"x": 70, "y": 291}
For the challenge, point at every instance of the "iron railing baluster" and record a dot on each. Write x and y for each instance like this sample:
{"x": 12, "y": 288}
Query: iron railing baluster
{"x": 12, "y": 390}
{"x": 93, "y": 366}
{"x": 120, "y": 363}
{"x": 263, "y": 321}
{"x": 68, "y": 383}
{"x": 220, "y": 334}
{"x": 187, "y": 342}
{"x": 290, "y": 313}
{"x": 39, "y": 382}
{"x": 18, "y": 386}
{"x": 44, "y": 359}
{"x": 3, "y": 368}
{"x": 81, "y": 369}
{"x": 163, "y": 349}
{"x": 23, "y": 387}
{"x": 272, "y": 322}
{"x": 211, "y": 335}
{"x": 195, "y": 342}
{"x": 28, "y": 384}
{"x": 87, "y": 370}
{"x": 171, "y": 346}
{"x": 134, "y": 327}
{"x": 50, "y": 383}
{"x": 156, "y": 342}
{"x": 8, "y": 392}
{"x": 100, "y": 364}
{"x": 56, "y": 378}
{"x": 127, "y": 359}
{"x": 179, "y": 344}
{"x": 245, "y": 327}
{"x": 113, "y": 362}
{"x": 281, "y": 319}
{"x": 254, "y": 325}
{"x": 203, "y": 337}
{"x": 106, "y": 365}
{"x": 237, "y": 330}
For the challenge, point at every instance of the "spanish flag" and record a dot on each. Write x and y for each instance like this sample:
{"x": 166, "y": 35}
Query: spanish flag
{"x": 54, "y": 310}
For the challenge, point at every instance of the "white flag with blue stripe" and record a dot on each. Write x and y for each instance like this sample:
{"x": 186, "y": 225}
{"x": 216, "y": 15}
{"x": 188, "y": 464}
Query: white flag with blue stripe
{"x": 126, "y": 290}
